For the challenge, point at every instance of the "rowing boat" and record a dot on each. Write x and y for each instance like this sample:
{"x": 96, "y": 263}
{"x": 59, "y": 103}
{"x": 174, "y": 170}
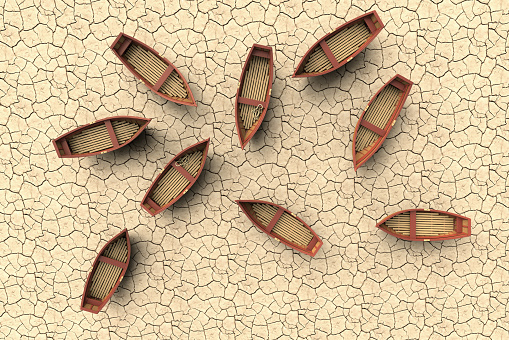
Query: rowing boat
{"x": 253, "y": 93}
{"x": 107, "y": 271}
{"x": 176, "y": 178}
{"x": 378, "y": 118}
{"x": 426, "y": 225}
{"x": 282, "y": 225}
{"x": 102, "y": 136}
{"x": 157, "y": 72}
{"x": 339, "y": 46}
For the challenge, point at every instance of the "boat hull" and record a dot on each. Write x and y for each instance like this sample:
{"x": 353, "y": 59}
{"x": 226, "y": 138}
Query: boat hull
{"x": 175, "y": 179}
{"x": 106, "y": 271}
{"x": 375, "y": 129}
{"x": 282, "y": 225}
{"x": 340, "y": 53}
{"x": 150, "y": 66}
{"x": 426, "y": 225}
{"x": 110, "y": 138}
{"x": 253, "y": 92}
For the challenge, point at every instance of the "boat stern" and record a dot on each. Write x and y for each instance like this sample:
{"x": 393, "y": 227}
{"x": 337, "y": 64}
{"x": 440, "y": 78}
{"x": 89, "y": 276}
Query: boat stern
{"x": 62, "y": 148}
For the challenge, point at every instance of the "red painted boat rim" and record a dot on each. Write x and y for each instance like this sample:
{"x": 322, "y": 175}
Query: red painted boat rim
{"x": 143, "y": 121}
{"x": 256, "y": 126}
{"x": 443, "y": 237}
{"x": 190, "y": 102}
{"x": 333, "y": 32}
{"x": 394, "y": 116}
{"x": 103, "y": 302}
{"x": 312, "y": 253}
{"x": 146, "y": 198}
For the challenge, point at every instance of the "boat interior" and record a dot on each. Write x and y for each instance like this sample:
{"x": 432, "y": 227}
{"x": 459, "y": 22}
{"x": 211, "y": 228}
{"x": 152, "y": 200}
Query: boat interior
{"x": 254, "y": 86}
{"x": 428, "y": 224}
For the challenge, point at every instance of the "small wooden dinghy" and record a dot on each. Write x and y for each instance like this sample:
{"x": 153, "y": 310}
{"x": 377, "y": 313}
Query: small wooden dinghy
{"x": 154, "y": 70}
{"x": 378, "y": 118}
{"x": 279, "y": 223}
{"x": 102, "y": 136}
{"x": 253, "y": 93}
{"x": 426, "y": 225}
{"x": 339, "y": 46}
{"x": 107, "y": 271}
{"x": 176, "y": 178}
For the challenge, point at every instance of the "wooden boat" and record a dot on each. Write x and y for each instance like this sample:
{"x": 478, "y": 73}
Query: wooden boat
{"x": 281, "y": 224}
{"x": 107, "y": 271}
{"x": 378, "y": 118}
{"x": 426, "y": 225}
{"x": 253, "y": 93}
{"x": 339, "y": 46}
{"x": 176, "y": 178}
{"x": 154, "y": 70}
{"x": 102, "y": 136}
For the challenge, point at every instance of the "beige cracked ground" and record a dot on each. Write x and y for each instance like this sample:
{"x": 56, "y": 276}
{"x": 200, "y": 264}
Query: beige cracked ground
{"x": 200, "y": 269}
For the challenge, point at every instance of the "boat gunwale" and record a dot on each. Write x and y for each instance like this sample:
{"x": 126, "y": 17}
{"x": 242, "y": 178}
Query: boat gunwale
{"x": 94, "y": 268}
{"x": 397, "y": 110}
{"x": 190, "y": 102}
{"x": 82, "y": 128}
{"x": 443, "y": 237}
{"x": 167, "y": 167}
{"x": 256, "y": 126}
{"x": 305, "y": 58}
{"x": 281, "y": 239}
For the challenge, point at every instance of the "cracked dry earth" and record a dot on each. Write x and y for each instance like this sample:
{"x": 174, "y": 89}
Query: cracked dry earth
{"x": 200, "y": 269}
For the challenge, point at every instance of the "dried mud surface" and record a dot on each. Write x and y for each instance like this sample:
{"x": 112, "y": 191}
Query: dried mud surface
{"x": 200, "y": 269}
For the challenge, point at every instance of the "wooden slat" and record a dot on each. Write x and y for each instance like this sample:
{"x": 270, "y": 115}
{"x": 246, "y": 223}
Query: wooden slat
{"x": 329, "y": 53}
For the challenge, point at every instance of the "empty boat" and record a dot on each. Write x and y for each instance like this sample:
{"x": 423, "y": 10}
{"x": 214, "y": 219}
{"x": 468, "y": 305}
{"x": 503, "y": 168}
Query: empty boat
{"x": 102, "y": 136}
{"x": 152, "y": 69}
{"x": 378, "y": 118}
{"x": 253, "y": 93}
{"x": 339, "y": 46}
{"x": 176, "y": 178}
{"x": 107, "y": 271}
{"x": 279, "y": 223}
{"x": 426, "y": 225}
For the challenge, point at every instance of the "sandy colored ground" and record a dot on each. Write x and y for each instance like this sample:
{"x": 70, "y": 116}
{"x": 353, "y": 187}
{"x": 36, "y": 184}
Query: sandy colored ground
{"x": 200, "y": 269}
